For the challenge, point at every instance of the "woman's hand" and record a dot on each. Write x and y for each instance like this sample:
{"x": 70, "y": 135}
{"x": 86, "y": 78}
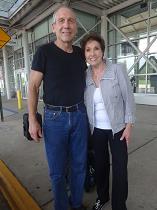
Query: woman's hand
{"x": 127, "y": 133}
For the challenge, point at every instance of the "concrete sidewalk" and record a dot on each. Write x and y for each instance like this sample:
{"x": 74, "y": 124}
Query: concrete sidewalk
{"x": 27, "y": 160}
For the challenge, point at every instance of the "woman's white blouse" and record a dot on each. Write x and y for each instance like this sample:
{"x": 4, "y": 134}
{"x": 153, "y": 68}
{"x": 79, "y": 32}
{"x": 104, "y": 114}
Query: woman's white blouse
{"x": 101, "y": 119}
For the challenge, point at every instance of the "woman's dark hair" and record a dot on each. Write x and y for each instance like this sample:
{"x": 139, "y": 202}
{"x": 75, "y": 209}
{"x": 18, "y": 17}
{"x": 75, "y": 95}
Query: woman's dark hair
{"x": 93, "y": 37}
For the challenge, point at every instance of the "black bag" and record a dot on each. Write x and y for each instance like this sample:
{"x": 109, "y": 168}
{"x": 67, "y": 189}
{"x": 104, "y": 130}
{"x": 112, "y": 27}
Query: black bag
{"x": 26, "y": 125}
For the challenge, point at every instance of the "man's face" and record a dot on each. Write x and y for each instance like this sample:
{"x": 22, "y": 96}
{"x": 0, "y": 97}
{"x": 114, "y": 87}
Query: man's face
{"x": 65, "y": 26}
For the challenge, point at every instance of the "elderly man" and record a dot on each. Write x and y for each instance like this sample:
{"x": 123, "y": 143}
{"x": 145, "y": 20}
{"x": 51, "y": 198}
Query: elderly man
{"x": 61, "y": 66}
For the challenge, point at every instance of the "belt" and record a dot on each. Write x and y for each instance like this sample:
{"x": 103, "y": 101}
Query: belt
{"x": 72, "y": 108}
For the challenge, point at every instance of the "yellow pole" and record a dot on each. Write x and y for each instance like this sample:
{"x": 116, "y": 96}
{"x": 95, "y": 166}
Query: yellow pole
{"x": 19, "y": 99}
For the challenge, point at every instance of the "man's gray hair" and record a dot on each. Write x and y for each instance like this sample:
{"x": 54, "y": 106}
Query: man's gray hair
{"x": 58, "y": 8}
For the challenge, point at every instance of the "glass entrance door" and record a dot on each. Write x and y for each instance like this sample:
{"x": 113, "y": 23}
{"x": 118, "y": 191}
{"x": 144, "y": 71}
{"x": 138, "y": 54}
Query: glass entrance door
{"x": 21, "y": 82}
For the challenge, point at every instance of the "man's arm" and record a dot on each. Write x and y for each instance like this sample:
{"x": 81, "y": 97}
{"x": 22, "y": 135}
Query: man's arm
{"x": 33, "y": 92}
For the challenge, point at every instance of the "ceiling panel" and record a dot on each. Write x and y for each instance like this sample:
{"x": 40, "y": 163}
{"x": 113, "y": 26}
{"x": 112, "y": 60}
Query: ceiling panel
{"x": 6, "y": 5}
{"x": 104, "y": 4}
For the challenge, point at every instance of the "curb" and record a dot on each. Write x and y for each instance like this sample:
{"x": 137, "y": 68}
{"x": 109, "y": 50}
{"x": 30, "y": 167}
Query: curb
{"x": 16, "y": 195}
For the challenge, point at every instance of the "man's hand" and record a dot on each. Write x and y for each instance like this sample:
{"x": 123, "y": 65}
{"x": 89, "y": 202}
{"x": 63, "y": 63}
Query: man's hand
{"x": 35, "y": 79}
{"x": 127, "y": 133}
{"x": 35, "y": 130}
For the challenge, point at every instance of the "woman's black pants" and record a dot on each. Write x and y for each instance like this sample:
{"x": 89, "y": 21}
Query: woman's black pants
{"x": 101, "y": 141}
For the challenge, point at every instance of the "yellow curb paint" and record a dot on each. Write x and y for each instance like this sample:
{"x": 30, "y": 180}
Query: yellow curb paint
{"x": 13, "y": 191}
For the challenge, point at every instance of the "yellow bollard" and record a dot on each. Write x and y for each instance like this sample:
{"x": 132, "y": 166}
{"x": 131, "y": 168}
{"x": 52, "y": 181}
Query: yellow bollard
{"x": 19, "y": 99}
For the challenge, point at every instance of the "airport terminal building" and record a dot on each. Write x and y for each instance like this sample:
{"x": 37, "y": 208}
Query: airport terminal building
{"x": 129, "y": 28}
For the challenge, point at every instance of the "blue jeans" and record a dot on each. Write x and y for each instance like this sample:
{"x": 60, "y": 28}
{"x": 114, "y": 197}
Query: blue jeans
{"x": 65, "y": 135}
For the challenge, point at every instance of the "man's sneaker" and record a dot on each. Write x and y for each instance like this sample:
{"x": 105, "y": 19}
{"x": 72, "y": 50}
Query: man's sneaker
{"x": 98, "y": 205}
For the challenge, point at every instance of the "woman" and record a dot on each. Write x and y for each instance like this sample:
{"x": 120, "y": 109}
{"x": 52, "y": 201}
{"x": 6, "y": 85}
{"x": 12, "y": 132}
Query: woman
{"x": 110, "y": 108}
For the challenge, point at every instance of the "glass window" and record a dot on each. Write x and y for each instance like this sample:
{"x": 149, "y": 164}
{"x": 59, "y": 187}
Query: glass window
{"x": 87, "y": 20}
{"x": 111, "y": 52}
{"x": 18, "y": 54}
{"x": 41, "y": 30}
{"x": 132, "y": 14}
{"x": 142, "y": 65}
{"x": 52, "y": 37}
{"x": 153, "y": 7}
{"x": 153, "y": 60}
{"x": 30, "y": 48}
{"x": 139, "y": 24}
{"x": 127, "y": 49}
{"x": 111, "y": 37}
{"x": 41, "y": 41}
{"x": 19, "y": 59}
{"x": 140, "y": 84}
{"x": 153, "y": 47}
{"x": 129, "y": 61}
{"x": 80, "y": 32}
{"x": 30, "y": 35}
{"x": 112, "y": 19}
{"x": 50, "y": 24}
{"x": 18, "y": 43}
{"x": 152, "y": 84}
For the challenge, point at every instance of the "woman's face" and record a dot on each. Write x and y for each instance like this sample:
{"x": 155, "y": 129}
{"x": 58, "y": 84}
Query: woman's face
{"x": 93, "y": 53}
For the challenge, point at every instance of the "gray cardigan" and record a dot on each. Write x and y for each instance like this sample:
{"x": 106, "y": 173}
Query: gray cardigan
{"x": 117, "y": 96}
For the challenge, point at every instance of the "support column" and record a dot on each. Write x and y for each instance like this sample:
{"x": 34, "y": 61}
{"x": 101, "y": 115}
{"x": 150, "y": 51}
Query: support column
{"x": 26, "y": 51}
{"x": 104, "y": 32}
{"x": 6, "y": 74}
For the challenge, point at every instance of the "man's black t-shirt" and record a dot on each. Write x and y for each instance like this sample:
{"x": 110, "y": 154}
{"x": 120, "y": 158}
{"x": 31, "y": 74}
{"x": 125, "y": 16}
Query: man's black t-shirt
{"x": 63, "y": 74}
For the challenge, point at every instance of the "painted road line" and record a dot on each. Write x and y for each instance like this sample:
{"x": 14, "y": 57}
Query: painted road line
{"x": 13, "y": 191}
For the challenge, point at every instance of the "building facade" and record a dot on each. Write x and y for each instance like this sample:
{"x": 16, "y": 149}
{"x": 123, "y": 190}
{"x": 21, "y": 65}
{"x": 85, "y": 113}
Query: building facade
{"x": 129, "y": 30}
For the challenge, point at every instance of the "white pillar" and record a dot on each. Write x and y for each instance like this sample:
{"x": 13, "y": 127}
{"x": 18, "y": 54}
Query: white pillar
{"x": 6, "y": 73}
{"x": 26, "y": 51}
{"x": 104, "y": 32}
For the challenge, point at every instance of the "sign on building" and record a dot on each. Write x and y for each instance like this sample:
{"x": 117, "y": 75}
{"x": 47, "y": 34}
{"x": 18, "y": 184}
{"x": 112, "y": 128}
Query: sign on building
{"x": 4, "y": 37}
